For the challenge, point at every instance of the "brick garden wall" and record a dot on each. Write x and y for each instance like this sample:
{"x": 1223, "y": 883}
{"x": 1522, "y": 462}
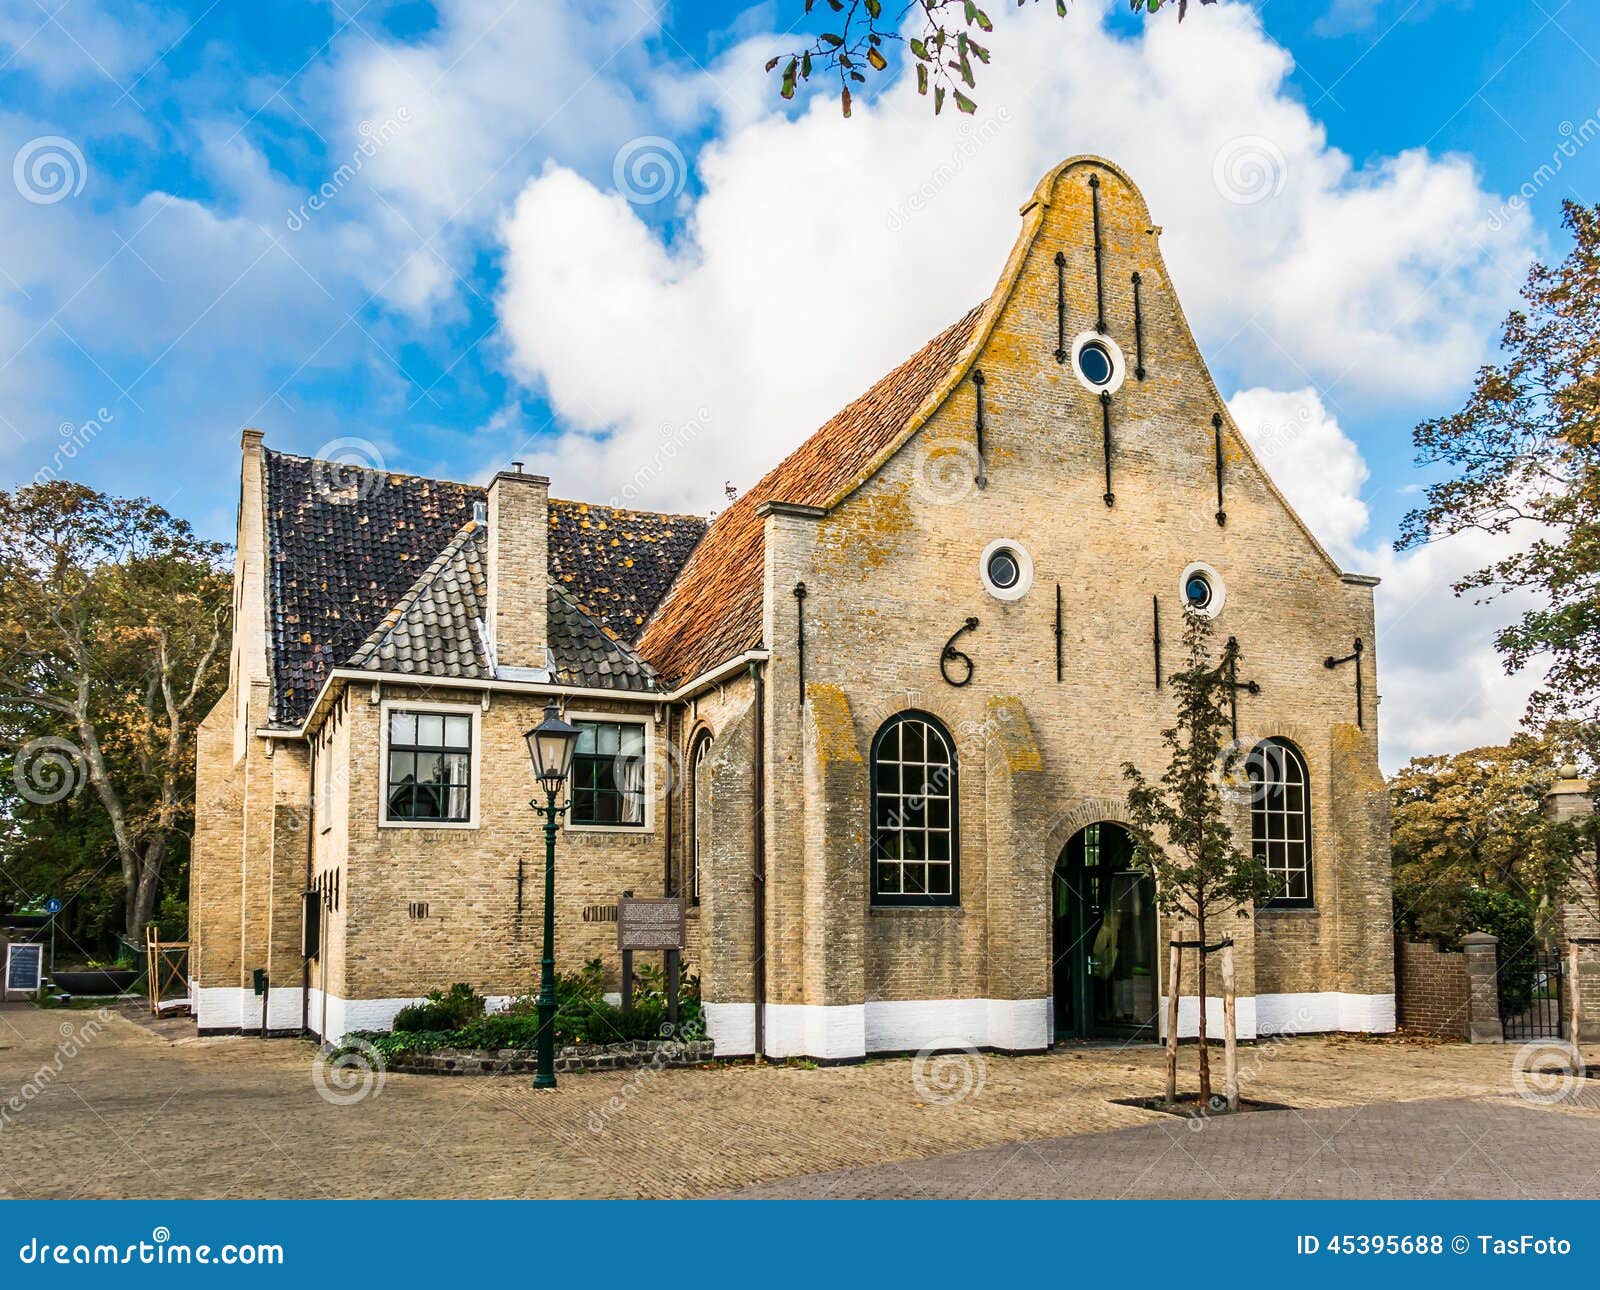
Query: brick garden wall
{"x": 1431, "y": 990}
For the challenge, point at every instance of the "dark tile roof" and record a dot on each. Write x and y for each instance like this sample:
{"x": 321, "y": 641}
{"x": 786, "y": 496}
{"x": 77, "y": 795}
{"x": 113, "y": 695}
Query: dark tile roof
{"x": 345, "y": 544}
{"x": 713, "y": 612}
{"x": 434, "y": 630}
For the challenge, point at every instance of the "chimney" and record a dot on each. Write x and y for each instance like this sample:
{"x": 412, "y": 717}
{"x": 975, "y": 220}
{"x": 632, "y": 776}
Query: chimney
{"x": 519, "y": 543}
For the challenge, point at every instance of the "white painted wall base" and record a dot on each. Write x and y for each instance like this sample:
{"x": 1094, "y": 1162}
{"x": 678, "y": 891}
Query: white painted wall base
{"x": 235, "y": 1008}
{"x": 1301, "y": 1014}
{"x": 846, "y": 1031}
{"x": 842, "y": 1032}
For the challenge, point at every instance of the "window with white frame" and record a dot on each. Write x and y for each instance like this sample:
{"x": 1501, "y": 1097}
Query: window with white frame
{"x": 700, "y": 810}
{"x": 1280, "y": 818}
{"x": 608, "y": 774}
{"x": 430, "y": 767}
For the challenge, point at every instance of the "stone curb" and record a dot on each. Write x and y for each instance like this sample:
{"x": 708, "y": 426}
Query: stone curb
{"x": 576, "y": 1057}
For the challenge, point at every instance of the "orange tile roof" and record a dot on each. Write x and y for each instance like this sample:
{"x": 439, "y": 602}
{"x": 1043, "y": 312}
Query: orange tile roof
{"x": 713, "y": 611}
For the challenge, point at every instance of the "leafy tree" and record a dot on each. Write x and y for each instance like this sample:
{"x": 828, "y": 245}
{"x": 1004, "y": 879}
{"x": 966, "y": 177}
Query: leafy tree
{"x": 1525, "y": 457}
{"x": 1181, "y": 834}
{"x": 861, "y": 33}
{"x": 113, "y": 644}
{"x": 1475, "y": 821}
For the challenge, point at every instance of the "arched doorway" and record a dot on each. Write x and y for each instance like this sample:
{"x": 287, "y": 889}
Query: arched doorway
{"x": 1104, "y": 938}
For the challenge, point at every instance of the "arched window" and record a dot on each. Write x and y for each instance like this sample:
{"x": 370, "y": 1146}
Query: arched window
{"x": 699, "y": 809}
{"x": 1280, "y": 818}
{"x": 915, "y": 841}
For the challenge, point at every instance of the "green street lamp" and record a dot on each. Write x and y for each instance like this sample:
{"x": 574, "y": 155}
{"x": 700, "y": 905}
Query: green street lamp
{"x": 550, "y": 745}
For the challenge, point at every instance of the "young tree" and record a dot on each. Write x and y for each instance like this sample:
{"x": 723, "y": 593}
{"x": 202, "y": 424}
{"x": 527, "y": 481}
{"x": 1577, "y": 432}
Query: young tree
{"x": 1524, "y": 453}
{"x": 113, "y": 644}
{"x": 860, "y": 33}
{"x": 1181, "y": 833}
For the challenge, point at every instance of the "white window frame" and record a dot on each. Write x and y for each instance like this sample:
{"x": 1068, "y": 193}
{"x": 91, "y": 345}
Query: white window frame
{"x": 469, "y": 710}
{"x": 644, "y": 721}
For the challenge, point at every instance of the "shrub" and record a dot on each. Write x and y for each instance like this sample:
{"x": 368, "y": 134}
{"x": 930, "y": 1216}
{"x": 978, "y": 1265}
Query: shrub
{"x": 451, "y": 1009}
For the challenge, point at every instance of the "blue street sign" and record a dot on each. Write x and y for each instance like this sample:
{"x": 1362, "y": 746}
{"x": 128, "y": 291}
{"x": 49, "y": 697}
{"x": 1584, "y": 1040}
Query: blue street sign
{"x": 52, "y": 906}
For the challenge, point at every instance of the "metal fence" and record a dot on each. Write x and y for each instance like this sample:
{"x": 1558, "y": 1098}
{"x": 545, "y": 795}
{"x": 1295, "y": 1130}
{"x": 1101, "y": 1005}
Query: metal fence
{"x": 1531, "y": 997}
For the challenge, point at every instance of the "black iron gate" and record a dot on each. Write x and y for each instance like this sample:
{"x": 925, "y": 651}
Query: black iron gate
{"x": 1531, "y": 996}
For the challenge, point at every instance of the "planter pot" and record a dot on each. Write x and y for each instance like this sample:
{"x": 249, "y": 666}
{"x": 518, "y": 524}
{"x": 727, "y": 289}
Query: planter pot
{"x": 98, "y": 981}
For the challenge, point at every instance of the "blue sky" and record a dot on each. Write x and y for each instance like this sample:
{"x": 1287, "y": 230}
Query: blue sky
{"x": 426, "y": 235}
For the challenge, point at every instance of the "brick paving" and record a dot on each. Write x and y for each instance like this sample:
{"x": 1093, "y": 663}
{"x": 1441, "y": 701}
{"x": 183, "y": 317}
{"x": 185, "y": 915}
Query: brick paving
{"x": 139, "y": 1108}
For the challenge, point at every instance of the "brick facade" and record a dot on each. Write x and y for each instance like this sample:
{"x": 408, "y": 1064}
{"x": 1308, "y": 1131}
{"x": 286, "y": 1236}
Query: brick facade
{"x": 891, "y": 567}
{"x": 1431, "y": 990}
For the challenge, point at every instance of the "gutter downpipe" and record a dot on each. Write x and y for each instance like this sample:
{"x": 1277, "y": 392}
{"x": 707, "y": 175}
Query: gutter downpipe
{"x": 759, "y": 869}
{"x": 311, "y": 833}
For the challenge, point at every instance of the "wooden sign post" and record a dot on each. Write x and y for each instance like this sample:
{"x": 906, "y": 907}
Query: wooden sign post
{"x": 651, "y": 923}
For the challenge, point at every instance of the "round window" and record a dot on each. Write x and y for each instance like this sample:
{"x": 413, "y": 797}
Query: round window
{"x": 1202, "y": 590}
{"x": 1004, "y": 572}
{"x": 1094, "y": 361}
{"x": 1006, "y": 569}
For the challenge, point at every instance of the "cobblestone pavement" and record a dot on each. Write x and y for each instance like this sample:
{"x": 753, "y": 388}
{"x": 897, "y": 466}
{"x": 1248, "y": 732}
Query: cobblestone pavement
{"x": 123, "y": 1106}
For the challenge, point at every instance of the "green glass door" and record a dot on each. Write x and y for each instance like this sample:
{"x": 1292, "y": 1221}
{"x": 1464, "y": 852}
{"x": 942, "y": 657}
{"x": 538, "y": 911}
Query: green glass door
{"x": 1104, "y": 939}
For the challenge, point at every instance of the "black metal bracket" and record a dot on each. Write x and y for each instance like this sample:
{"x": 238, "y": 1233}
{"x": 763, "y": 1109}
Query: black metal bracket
{"x": 1353, "y": 657}
{"x": 1216, "y": 432}
{"x": 1099, "y": 273}
{"x": 1223, "y": 944}
{"x": 1231, "y": 664}
{"x": 1058, "y": 632}
{"x": 1061, "y": 307}
{"x": 977, "y": 381}
{"x": 1138, "y": 329}
{"x": 1109, "y": 497}
{"x": 950, "y": 654}
{"x": 1155, "y": 613}
{"x": 800, "y": 630}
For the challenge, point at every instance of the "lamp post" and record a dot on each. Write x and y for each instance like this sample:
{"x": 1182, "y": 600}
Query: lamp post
{"x": 550, "y": 745}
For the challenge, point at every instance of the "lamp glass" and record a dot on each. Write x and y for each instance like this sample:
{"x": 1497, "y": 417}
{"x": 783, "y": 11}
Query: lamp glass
{"x": 550, "y": 746}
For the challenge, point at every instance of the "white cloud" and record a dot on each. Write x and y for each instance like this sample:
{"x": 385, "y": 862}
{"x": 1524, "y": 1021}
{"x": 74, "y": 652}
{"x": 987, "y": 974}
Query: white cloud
{"x": 1441, "y": 680}
{"x": 820, "y": 251}
{"x": 1318, "y": 466}
{"x": 69, "y": 43}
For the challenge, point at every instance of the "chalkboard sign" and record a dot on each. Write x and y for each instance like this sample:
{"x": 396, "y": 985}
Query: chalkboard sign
{"x": 644, "y": 923}
{"x": 24, "y": 967}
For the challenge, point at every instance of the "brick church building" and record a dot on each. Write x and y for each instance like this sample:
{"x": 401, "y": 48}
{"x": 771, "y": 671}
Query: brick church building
{"x": 869, "y": 721}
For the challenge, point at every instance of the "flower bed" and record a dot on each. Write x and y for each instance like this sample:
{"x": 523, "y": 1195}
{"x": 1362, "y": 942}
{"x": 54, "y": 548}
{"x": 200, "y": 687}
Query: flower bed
{"x": 574, "y": 1057}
